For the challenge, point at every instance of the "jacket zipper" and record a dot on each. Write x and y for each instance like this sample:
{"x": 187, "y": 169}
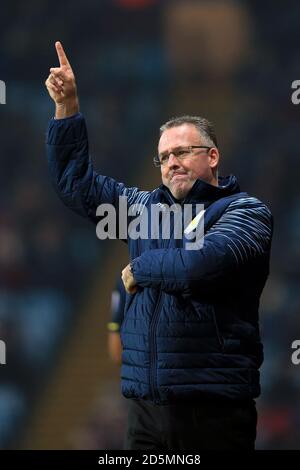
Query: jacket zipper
{"x": 153, "y": 341}
{"x": 153, "y": 351}
{"x": 154, "y": 322}
{"x": 153, "y": 326}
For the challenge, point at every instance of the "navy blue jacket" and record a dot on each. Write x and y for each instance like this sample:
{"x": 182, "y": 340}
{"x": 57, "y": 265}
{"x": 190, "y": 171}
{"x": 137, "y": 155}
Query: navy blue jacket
{"x": 192, "y": 329}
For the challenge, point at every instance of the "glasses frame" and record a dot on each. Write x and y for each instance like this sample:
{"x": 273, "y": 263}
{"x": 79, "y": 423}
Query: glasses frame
{"x": 157, "y": 161}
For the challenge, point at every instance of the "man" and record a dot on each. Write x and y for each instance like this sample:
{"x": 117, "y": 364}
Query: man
{"x": 190, "y": 336}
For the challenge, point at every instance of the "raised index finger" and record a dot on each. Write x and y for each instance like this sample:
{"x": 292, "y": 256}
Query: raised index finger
{"x": 61, "y": 54}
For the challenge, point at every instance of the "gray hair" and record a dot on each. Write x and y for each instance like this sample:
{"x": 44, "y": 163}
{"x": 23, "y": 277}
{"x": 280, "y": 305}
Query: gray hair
{"x": 206, "y": 129}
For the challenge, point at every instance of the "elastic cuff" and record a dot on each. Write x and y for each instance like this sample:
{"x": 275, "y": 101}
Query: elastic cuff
{"x": 74, "y": 116}
{"x": 131, "y": 264}
{"x": 66, "y": 131}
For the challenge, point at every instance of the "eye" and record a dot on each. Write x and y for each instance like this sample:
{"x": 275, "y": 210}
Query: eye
{"x": 181, "y": 152}
{"x": 164, "y": 158}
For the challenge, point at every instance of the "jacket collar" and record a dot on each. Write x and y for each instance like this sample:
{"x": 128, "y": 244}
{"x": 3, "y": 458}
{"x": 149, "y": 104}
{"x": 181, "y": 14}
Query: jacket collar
{"x": 205, "y": 193}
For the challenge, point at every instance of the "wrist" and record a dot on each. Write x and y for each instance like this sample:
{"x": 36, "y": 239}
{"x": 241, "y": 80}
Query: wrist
{"x": 64, "y": 110}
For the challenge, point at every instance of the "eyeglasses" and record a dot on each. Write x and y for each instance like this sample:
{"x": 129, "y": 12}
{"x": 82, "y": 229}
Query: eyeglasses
{"x": 180, "y": 153}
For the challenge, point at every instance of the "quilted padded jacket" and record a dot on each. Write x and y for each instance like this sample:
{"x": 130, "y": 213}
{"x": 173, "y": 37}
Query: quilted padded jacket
{"x": 192, "y": 328}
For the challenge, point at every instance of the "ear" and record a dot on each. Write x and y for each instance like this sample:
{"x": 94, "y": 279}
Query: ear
{"x": 214, "y": 157}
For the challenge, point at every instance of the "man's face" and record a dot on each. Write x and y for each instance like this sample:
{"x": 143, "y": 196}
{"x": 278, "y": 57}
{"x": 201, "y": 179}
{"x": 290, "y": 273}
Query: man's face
{"x": 180, "y": 175}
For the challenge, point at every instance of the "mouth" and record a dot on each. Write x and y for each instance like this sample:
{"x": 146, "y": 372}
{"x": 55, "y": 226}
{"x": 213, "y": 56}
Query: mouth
{"x": 179, "y": 176}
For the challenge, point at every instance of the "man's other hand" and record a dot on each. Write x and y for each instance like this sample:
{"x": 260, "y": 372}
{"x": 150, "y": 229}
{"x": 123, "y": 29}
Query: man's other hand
{"x": 128, "y": 280}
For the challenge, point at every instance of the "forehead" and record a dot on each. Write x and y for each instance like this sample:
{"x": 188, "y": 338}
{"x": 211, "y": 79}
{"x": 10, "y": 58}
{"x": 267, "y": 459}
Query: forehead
{"x": 185, "y": 134}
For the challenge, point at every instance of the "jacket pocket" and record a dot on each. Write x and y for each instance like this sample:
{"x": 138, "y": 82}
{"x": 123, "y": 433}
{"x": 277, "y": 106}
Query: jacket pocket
{"x": 128, "y": 302}
{"x": 206, "y": 313}
{"x": 218, "y": 332}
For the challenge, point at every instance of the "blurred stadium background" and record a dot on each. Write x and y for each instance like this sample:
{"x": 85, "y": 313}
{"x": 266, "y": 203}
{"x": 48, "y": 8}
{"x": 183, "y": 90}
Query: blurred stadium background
{"x": 137, "y": 63}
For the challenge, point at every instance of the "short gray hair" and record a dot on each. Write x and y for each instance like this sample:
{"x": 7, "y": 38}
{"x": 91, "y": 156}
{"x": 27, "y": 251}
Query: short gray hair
{"x": 205, "y": 128}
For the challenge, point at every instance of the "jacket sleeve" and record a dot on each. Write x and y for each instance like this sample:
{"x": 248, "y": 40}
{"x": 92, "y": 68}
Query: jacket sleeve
{"x": 240, "y": 236}
{"x": 72, "y": 173}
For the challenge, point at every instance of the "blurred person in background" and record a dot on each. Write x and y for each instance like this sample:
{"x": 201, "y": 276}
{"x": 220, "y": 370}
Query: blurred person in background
{"x": 190, "y": 335}
{"x": 118, "y": 299}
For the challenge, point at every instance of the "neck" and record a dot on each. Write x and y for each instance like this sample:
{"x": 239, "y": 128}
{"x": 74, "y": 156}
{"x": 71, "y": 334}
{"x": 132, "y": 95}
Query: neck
{"x": 214, "y": 181}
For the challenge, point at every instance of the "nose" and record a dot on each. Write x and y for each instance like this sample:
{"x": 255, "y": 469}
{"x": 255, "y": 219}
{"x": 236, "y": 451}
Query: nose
{"x": 173, "y": 161}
